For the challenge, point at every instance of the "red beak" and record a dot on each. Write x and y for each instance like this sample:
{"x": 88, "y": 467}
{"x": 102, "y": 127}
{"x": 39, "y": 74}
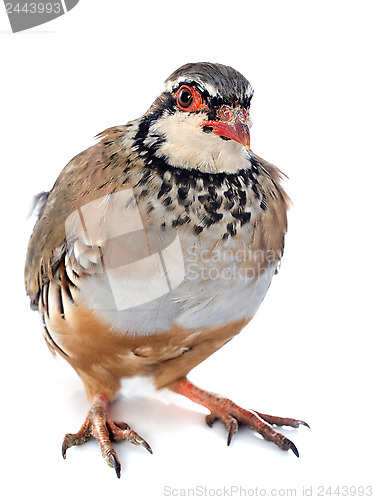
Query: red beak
{"x": 235, "y": 127}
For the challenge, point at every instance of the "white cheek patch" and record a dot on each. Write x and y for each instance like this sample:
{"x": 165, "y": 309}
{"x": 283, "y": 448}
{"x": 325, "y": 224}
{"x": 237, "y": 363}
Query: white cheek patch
{"x": 187, "y": 146}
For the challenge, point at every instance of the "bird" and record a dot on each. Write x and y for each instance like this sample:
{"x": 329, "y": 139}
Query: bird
{"x": 155, "y": 247}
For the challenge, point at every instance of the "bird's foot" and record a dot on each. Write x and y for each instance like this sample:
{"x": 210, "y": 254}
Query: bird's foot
{"x": 98, "y": 425}
{"x": 233, "y": 415}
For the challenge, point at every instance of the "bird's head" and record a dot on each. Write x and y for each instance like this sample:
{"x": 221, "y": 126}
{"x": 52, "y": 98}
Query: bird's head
{"x": 201, "y": 119}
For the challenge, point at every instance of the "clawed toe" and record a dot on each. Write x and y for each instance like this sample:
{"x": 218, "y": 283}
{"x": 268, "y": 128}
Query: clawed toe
{"x": 256, "y": 422}
{"x": 120, "y": 431}
{"x": 230, "y": 422}
{"x": 99, "y": 426}
{"x": 301, "y": 422}
{"x": 115, "y": 463}
{"x": 289, "y": 445}
{"x": 73, "y": 440}
{"x": 233, "y": 415}
{"x": 281, "y": 421}
{"x": 232, "y": 428}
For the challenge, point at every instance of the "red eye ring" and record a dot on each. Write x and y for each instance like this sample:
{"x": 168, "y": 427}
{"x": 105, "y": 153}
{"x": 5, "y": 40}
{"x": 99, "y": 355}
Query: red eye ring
{"x": 189, "y": 99}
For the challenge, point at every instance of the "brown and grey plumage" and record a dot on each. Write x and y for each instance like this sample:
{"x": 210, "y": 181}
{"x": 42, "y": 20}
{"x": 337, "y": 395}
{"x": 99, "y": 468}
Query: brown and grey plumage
{"x": 156, "y": 246}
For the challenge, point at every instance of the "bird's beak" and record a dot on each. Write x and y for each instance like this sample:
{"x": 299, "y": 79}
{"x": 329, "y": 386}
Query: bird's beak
{"x": 233, "y": 123}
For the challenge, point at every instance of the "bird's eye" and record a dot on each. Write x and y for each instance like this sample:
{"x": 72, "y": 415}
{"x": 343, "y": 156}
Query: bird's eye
{"x": 189, "y": 99}
{"x": 185, "y": 97}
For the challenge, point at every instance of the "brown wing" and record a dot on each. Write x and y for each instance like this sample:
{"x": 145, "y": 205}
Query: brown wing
{"x": 100, "y": 167}
{"x": 269, "y": 235}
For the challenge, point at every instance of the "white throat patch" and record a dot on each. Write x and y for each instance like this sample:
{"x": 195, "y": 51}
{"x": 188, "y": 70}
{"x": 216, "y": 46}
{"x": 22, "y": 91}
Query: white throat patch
{"x": 187, "y": 146}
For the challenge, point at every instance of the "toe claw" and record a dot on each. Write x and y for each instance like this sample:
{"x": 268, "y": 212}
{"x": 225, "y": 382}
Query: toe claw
{"x": 146, "y": 446}
{"x": 69, "y": 440}
{"x": 134, "y": 438}
{"x": 139, "y": 440}
{"x": 115, "y": 463}
{"x": 291, "y": 446}
{"x": 232, "y": 428}
{"x": 301, "y": 422}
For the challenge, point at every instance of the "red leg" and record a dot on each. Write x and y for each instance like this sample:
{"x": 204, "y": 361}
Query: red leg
{"x": 232, "y": 415}
{"x": 98, "y": 425}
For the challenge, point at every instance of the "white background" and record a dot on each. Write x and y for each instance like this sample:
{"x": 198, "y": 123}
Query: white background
{"x": 308, "y": 352}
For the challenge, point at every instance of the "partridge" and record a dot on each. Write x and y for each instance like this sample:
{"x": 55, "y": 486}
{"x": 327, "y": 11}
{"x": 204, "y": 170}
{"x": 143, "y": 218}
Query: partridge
{"x": 156, "y": 246}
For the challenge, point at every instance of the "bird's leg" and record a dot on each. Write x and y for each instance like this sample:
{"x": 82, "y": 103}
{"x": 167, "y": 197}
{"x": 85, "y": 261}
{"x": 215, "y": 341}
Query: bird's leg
{"x": 98, "y": 425}
{"x": 232, "y": 415}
